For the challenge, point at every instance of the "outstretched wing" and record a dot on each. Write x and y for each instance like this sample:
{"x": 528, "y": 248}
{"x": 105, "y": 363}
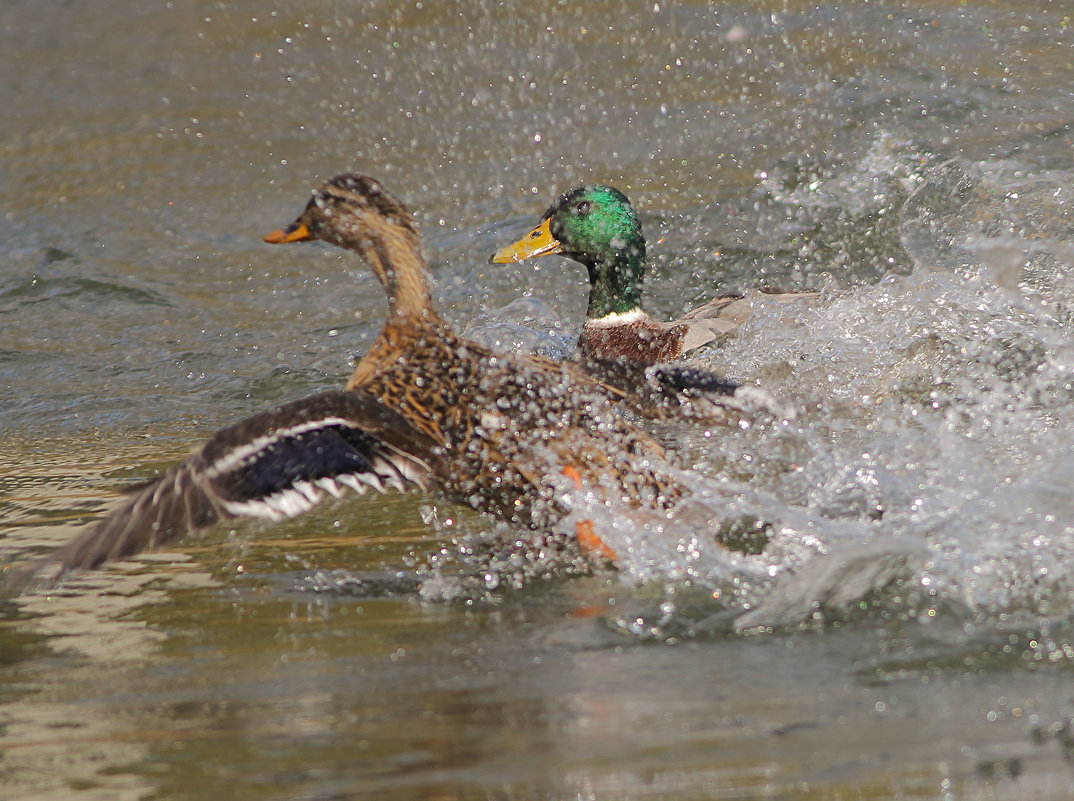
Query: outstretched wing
{"x": 274, "y": 465}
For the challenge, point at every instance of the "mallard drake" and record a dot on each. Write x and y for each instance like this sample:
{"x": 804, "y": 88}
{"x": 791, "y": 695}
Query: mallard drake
{"x": 597, "y": 226}
{"x": 424, "y": 408}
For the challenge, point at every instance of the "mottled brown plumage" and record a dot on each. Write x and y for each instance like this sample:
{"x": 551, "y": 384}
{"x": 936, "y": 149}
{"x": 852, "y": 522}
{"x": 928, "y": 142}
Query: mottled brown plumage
{"x": 512, "y": 435}
{"x": 505, "y": 426}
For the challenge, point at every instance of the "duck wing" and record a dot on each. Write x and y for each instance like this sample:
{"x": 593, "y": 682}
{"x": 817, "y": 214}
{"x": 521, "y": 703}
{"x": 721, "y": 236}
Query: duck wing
{"x": 714, "y": 319}
{"x": 665, "y": 390}
{"x": 274, "y": 465}
{"x": 727, "y": 312}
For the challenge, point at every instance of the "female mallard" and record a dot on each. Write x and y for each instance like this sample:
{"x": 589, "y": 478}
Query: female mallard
{"x": 425, "y": 408}
{"x": 597, "y": 226}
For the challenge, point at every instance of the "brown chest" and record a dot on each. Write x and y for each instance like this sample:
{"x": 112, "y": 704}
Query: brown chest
{"x": 638, "y": 341}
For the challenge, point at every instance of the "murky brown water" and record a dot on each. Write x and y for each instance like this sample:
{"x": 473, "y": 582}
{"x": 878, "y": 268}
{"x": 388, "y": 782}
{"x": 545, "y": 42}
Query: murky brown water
{"x": 913, "y": 157}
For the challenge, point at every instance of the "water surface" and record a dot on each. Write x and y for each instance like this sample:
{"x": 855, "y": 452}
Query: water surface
{"x": 904, "y": 633}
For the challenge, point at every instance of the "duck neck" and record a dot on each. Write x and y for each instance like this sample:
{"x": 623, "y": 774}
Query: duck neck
{"x": 400, "y": 266}
{"x": 412, "y": 318}
{"x": 615, "y": 281}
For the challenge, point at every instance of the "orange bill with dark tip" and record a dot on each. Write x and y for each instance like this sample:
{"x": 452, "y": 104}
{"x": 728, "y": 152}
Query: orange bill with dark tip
{"x": 538, "y": 242}
{"x": 292, "y": 233}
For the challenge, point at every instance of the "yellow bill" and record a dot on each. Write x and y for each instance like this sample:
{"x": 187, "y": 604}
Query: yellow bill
{"x": 538, "y": 242}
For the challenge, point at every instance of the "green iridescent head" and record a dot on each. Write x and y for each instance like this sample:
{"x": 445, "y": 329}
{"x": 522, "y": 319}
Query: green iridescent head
{"x": 596, "y": 226}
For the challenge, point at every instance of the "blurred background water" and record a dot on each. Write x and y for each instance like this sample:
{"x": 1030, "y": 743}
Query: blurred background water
{"x": 906, "y": 631}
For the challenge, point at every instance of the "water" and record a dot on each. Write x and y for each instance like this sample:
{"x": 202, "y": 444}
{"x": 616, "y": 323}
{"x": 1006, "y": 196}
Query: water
{"x": 902, "y": 631}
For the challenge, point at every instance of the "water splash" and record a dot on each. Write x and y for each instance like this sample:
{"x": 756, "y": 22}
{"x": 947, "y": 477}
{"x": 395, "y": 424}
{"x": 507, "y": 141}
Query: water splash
{"x": 922, "y": 479}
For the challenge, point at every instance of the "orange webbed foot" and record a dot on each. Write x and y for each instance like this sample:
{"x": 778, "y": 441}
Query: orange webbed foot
{"x": 585, "y": 533}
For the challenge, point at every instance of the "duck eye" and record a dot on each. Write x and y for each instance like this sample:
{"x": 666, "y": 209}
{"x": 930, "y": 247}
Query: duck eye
{"x": 583, "y": 207}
